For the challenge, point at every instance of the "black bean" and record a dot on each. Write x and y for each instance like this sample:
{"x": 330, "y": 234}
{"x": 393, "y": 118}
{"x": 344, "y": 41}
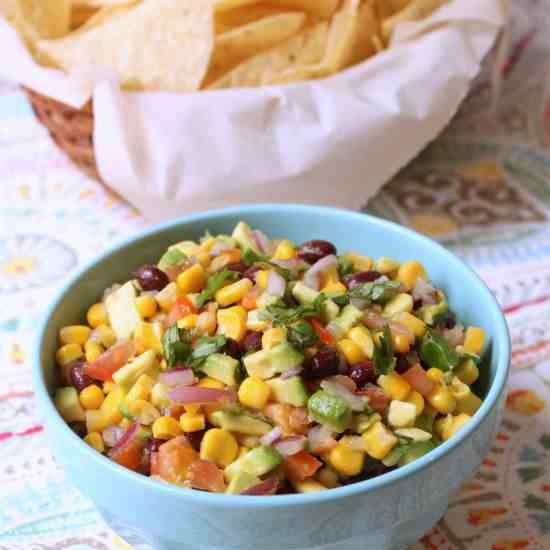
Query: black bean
{"x": 232, "y": 348}
{"x": 78, "y": 379}
{"x": 252, "y": 342}
{"x": 313, "y": 251}
{"x": 151, "y": 277}
{"x": 360, "y": 278}
{"x": 324, "y": 363}
{"x": 363, "y": 373}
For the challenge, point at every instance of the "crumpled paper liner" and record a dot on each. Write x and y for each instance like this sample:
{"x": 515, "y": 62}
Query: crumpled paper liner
{"x": 333, "y": 141}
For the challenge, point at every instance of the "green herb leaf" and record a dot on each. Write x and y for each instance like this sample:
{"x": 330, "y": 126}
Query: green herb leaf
{"x": 425, "y": 422}
{"x": 285, "y": 273}
{"x": 436, "y": 353}
{"x": 443, "y": 317}
{"x": 383, "y": 358}
{"x": 345, "y": 266}
{"x": 214, "y": 283}
{"x": 465, "y": 355}
{"x": 250, "y": 257}
{"x": 280, "y": 314}
{"x": 378, "y": 292}
{"x": 176, "y": 346}
{"x": 301, "y": 335}
{"x": 341, "y": 300}
{"x": 205, "y": 346}
{"x": 172, "y": 257}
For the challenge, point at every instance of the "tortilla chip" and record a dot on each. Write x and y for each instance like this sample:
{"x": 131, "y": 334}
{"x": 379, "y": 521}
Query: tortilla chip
{"x": 237, "y": 17}
{"x": 367, "y": 36}
{"x": 221, "y": 5}
{"x": 415, "y": 11}
{"x": 81, "y": 14}
{"x": 384, "y": 8}
{"x": 97, "y": 4}
{"x": 304, "y": 49}
{"x": 8, "y": 9}
{"x": 239, "y": 44}
{"x": 319, "y": 8}
{"x": 49, "y": 18}
{"x": 156, "y": 45}
{"x": 104, "y": 14}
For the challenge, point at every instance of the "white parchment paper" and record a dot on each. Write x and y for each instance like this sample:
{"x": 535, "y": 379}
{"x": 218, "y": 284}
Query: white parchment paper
{"x": 333, "y": 141}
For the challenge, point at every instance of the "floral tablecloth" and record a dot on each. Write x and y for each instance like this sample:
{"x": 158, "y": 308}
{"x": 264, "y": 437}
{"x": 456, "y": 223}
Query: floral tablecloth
{"x": 482, "y": 189}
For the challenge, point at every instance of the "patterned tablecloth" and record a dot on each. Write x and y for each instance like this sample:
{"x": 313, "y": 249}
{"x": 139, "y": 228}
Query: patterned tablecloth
{"x": 482, "y": 189}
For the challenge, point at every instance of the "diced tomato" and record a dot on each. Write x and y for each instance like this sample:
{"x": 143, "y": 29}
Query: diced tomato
{"x": 154, "y": 464}
{"x": 298, "y": 420}
{"x": 300, "y": 466}
{"x": 175, "y": 410}
{"x": 249, "y": 300}
{"x": 174, "y": 458}
{"x": 324, "y": 335}
{"x": 205, "y": 475}
{"x": 418, "y": 379}
{"x": 183, "y": 307}
{"x": 109, "y": 362}
{"x": 128, "y": 456}
{"x": 378, "y": 398}
{"x": 292, "y": 420}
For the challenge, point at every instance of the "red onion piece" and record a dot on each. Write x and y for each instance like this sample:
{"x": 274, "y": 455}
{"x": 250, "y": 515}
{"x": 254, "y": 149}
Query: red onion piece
{"x": 335, "y": 330}
{"x": 294, "y": 264}
{"x": 275, "y": 284}
{"x": 345, "y": 381}
{"x": 128, "y": 436}
{"x": 356, "y": 402}
{"x": 291, "y": 372}
{"x": 374, "y": 320}
{"x": 400, "y": 328}
{"x": 112, "y": 435}
{"x": 454, "y": 336}
{"x": 270, "y": 437}
{"x": 262, "y": 242}
{"x": 425, "y": 292}
{"x": 202, "y": 396}
{"x": 266, "y": 487}
{"x": 321, "y": 439}
{"x": 312, "y": 275}
{"x": 289, "y": 446}
{"x": 177, "y": 378}
{"x": 377, "y": 398}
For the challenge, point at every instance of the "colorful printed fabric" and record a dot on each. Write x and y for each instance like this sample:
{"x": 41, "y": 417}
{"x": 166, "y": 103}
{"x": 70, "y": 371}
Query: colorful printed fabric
{"x": 482, "y": 189}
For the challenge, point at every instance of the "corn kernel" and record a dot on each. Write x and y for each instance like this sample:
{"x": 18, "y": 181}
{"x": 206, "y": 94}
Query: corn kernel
{"x": 254, "y": 393}
{"x": 473, "y": 340}
{"x": 359, "y": 262}
{"x": 468, "y": 405}
{"x": 351, "y": 351}
{"x": 253, "y": 321}
{"x": 189, "y": 321}
{"x": 361, "y": 336}
{"x": 409, "y": 272}
{"x": 273, "y": 337}
{"x": 443, "y": 424}
{"x": 345, "y": 460}
{"x": 261, "y": 278}
{"x": 467, "y": 372}
{"x": 125, "y": 423}
{"x": 108, "y": 386}
{"x": 395, "y": 385}
{"x": 402, "y": 303}
{"x": 414, "y": 324}
{"x": 401, "y": 343}
{"x": 141, "y": 389}
{"x": 95, "y": 421}
{"x": 386, "y": 266}
{"x": 192, "y": 422}
{"x": 97, "y": 315}
{"x": 166, "y": 427}
{"x": 67, "y": 353}
{"x": 285, "y": 251}
{"x": 208, "y": 244}
{"x": 192, "y": 408}
{"x": 459, "y": 390}
{"x": 110, "y": 405}
{"x": 334, "y": 287}
{"x": 435, "y": 375}
{"x": 243, "y": 451}
{"x": 91, "y": 397}
{"x": 457, "y": 422}
{"x": 441, "y": 399}
{"x": 208, "y": 382}
{"x": 92, "y": 350}
{"x": 379, "y": 441}
{"x": 219, "y": 446}
{"x": 104, "y": 335}
{"x": 233, "y": 292}
{"x": 74, "y": 334}
{"x": 143, "y": 411}
{"x": 204, "y": 259}
{"x": 166, "y": 298}
{"x": 232, "y": 322}
{"x": 146, "y": 306}
{"x": 159, "y": 395}
{"x": 328, "y": 477}
{"x": 308, "y": 486}
{"x": 95, "y": 440}
{"x": 148, "y": 336}
{"x": 192, "y": 279}
{"x": 417, "y": 400}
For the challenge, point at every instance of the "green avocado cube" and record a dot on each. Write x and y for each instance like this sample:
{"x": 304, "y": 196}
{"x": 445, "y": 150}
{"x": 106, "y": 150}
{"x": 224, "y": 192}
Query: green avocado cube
{"x": 257, "y": 462}
{"x": 292, "y": 391}
{"x": 223, "y": 368}
{"x": 330, "y": 410}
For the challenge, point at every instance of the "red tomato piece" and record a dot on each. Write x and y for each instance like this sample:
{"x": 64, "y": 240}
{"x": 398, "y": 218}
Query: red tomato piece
{"x": 378, "y": 398}
{"x": 183, "y": 307}
{"x": 418, "y": 379}
{"x": 324, "y": 335}
{"x": 300, "y": 466}
{"x": 205, "y": 475}
{"x": 154, "y": 464}
{"x": 110, "y": 361}
{"x": 175, "y": 456}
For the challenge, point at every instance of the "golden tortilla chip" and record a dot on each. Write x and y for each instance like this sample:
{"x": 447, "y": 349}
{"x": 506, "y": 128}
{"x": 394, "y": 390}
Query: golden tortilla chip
{"x": 384, "y": 8}
{"x": 367, "y": 35}
{"x": 221, "y": 5}
{"x": 104, "y": 14}
{"x": 239, "y": 44}
{"x": 49, "y": 18}
{"x": 97, "y": 4}
{"x": 414, "y": 11}
{"x": 8, "y": 9}
{"x": 304, "y": 49}
{"x": 81, "y": 14}
{"x": 237, "y": 17}
{"x": 156, "y": 45}
{"x": 319, "y": 8}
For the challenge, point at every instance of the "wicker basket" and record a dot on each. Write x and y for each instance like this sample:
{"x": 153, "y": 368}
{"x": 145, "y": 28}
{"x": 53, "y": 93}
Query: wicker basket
{"x": 72, "y": 129}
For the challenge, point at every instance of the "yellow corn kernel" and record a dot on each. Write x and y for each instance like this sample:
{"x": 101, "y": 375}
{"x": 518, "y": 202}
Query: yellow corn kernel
{"x": 401, "y": 343}
{"x": 192, "y": 279}
{"x": 104, "y": 335}
{"x": 441, "y": 399}
{"x": 208, "y": 382}
{"x": 143, "y": 411}
{"x": 362, "y": 338}
{"x": 233, "y": 292}
{"x": 457, "y": 422}
{"x": 166, "y": 298}
{"x": 417, "y": 400}
{"x": 92, "y": 350}
{"x": 409, "y": 272}
{"x": 359, "y": 262}
{"x": 219, "y": 262}
{"x": 67, "y": 353}
{"x": 242, "y": 451}
{"x": 473, "y": 340}
{"x": 334, "y": 287}
{"x": 95, "y": 440}
{"x": 414, "y": 324}
{"x": 253, "y": 321}
{"x": 467, "y": 372}
{"x": 189, "y": 321}
{"x": 146, "y": 306}
{"x": 232, "y": 322}
{"x": 95, "y": 421}
{"x": 125, "y": 423}
{"x": 204, "y": 259}
{"x": 74, "y": 334}
{"x": 110, "y": 405}
{"x": 192, "y": 408}
{"x": 219, "y": 446}
{"x": 443, "y": 424}
{"x": 308, "y": 486}
{"x": 379, "y": 441}
{"x": 91, "y": 397}
{"x": 273, "y": 337}
{"x": 285, "y": 251}
{"x": 159, "y": 396}
{"x": 351, "y": 351}
{"x": 192, "y": 422}
{"x": 208, "y": 243}
{"x": 328, "y": 477}
{"x": 469, "y": 404}
{"x": 261, "y": 278}
{"x": 141, "y": 390}
{"x": 435, "y": 375}
{"x": 148, "y": 336}
{"x": 166, "y": 427}
{"x": 108, "y": 386}
{"x": 386, "y": 266}
{"x": 254, "y": 393}
{"x": 394, "y": 385}
{"x": 97, "y": 315}
{"x": 345, "y": 460}
{"x": 459, "y": 390}
{"x": 402, "y": 303}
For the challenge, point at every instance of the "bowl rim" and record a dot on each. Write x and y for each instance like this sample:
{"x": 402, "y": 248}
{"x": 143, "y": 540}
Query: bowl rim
{"x": 502, "y": 349}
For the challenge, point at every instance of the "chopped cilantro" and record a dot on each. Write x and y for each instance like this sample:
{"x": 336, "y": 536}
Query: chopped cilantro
{"x": 301, "y": 335}
{"x": 280, "y": 314}
{"x": 214, "y": 283}
{"x": 379, "y": 291}
{"x": 205, "y": 346}
{"x": 383, "y": 354}
{"x": 345, "y": 266}
{"x": 435, "y": 351}
{"x": 176, "y": 346}
{"x": 250, "y": 257}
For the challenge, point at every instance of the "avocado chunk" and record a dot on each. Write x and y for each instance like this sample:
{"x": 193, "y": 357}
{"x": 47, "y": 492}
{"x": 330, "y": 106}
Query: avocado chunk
{"x": 223, "y": 368}
{"x": 239, "y": 421}
{"x": 241, "y": 482}
{"x": 68, "y": 405}
{"x": 243, "y": 235}
{"x": 348, "y": 317}
{"x": 292, "y": 391}
{"x": 146, "y": 363}
{"x": 330, "y": 410}
{"x": 257, "y": 462}
{"x": 306, "y": 296}
{"x": 266, "y": 363}
{"x": 416, "y": 450}
{"x": 171, "y": 258}
{"x": 429, "y": 313}
{"x": 121, "y": 309}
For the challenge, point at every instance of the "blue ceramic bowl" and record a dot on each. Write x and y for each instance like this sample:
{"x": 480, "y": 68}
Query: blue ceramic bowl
{"x": 389, "y": 512}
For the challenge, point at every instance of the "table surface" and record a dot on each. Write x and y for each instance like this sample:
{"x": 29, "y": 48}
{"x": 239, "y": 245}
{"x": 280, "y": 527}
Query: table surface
{"x": 482, "y": 189}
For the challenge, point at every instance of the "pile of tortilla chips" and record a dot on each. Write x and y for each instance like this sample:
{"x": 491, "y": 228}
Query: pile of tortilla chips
{"x": 190, "y": 45}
